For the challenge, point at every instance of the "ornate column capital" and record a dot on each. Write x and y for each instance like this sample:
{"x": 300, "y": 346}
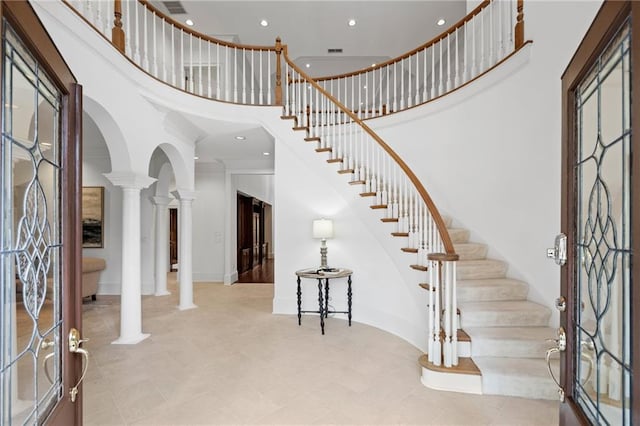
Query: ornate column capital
{"x": 184, "y": 194}
{"x": 130, "y": 180}
{"x": 160, "y": 200}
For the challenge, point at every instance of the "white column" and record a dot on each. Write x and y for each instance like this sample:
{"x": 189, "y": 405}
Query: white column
{"x": 131, "y": 278}
{"x": 162, "y": 244}
{"x": 185, "y": 249}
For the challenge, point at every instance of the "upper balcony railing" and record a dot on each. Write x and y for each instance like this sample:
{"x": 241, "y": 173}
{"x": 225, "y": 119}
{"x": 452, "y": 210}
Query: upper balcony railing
{"x": 475, "y": 44}
{"x": 244, "y": 74}
{"x": 190, "y": 61}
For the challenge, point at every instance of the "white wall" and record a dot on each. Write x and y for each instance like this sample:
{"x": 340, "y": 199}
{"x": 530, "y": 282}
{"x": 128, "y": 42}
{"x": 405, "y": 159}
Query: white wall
{"x": 259, "y": 186}
{"x": 95, "y": 163}
{"x": 208, "y": 223}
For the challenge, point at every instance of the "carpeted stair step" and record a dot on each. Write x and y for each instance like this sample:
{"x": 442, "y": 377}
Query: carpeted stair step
{"x": 491, "y": 289}
{"x": 458, "y": 235}
{"x": 471, "y": 251}
{"x": 480, "y": 269}
{"x": 522, "y": 377}
{"x": 503, "y": 314}
{"x": 510, "y": 342}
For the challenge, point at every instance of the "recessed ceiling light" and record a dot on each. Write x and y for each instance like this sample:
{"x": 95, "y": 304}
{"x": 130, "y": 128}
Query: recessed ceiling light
{"x": 266, "y": 153}
{"x": 264, "y": 23}
{"x": 373, "y": 65}
{"x": 240, "y": 138}
{"x": 307, "y": 65}
{"x": 364, "y": 87}
{"x": 352, "y": 22}
{"x": 189, "y": 22}
{"x": 441, "y": 22}
{"x": 196, "y": 158}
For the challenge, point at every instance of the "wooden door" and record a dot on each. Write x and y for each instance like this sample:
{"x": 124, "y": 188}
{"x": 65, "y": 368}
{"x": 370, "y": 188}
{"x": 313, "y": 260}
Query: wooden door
{"x": 173, "y": 238}
{"x": 600, "y": 183}
{"x": 40, "y": 251}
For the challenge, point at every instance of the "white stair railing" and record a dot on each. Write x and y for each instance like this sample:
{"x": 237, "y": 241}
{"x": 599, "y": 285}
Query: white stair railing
{"x": 183, "y": 58}
{"x": 387, "y": 180}
{"x": 479, "y": 41}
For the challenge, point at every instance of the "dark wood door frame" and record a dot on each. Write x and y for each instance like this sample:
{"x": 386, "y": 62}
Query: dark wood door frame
{"x": 27, "y": 25}
{"x": 607, "y": 22}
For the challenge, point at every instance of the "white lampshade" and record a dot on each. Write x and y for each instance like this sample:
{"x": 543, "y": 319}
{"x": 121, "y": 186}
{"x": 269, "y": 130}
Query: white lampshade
{"x": 323, "y": 228}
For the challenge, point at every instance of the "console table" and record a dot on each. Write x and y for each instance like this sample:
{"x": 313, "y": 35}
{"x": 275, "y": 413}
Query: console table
{"x": 323, "y": 300}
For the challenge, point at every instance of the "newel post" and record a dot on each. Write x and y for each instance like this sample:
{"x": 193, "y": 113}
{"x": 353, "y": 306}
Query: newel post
{"x": 443, "y": 309}
{"x": 519, "y": 29}
{"x": 117, "y": 33}
{"x": 278, "y": 72}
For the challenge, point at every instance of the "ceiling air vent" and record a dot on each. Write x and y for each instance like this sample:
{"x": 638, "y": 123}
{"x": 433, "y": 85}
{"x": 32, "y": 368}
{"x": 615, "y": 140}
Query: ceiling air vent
{"x": 334, "y": 50}
{"x": 174, "y": 7}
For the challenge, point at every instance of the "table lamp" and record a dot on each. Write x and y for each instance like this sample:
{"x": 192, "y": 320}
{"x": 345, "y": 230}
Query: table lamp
{"x": 323, "y": 229}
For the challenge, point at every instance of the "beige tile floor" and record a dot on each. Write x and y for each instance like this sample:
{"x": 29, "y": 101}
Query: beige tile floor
{"x": 231, "y": 361}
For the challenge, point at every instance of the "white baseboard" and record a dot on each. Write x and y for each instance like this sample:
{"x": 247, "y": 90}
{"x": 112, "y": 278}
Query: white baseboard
{"x": 231, "y": 278}
{"x": 109, "y": 289}
{"x": 465, "y": 383}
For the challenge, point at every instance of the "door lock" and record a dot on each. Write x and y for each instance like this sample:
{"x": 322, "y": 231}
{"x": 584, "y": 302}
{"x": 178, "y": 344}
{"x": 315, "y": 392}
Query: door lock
{"x": 561, "y": 304}
{"x": 559, "y": 250}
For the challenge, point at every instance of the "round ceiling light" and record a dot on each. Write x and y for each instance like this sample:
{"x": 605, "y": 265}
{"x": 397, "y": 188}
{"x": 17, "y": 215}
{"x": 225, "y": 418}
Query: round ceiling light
{"x": 189, "y": 22}
{"x": 240, "y": 138}
{"x": 266, "y": 153}
{"x": 264, "y": 23}
{"x": 352, "y": 22}
{"x": 441, "y": 22}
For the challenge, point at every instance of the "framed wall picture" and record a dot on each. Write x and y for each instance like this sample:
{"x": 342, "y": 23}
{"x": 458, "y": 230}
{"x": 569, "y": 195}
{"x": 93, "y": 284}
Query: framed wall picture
{"x": 92, "y": 217}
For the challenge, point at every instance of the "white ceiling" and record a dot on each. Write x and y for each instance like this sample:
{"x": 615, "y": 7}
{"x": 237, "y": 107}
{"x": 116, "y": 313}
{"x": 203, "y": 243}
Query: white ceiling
{"x": 384, "y": 29}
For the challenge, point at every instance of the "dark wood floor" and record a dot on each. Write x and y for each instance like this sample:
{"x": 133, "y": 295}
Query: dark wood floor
{"x": 260, "y": 274}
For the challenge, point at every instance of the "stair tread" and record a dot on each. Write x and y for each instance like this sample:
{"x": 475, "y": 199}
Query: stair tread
{"x": 502, "y": 306}
{"x": 472, "y": 262}
{"x": 490, "y": 282}
{"x": 465, "y": 366}
{"x": 458, "y": 235}
{"x": 511, "y": 333}
{"x": 515, "y": 367}
{"x": 471, "y": 251}
{"x": 481, "y": 269}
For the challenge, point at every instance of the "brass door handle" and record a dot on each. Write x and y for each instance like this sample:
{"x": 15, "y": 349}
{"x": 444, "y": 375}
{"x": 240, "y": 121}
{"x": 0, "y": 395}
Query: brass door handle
{"x": 561, "y": 345}
{"x": 74, "y": 347}
{"x": 46, "y": 344}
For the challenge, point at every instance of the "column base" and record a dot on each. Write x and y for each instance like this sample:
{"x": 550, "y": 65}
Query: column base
{"x": 187, "y": 307}
{"x": 131, "y": 340}
{"x": 162, "y": 293}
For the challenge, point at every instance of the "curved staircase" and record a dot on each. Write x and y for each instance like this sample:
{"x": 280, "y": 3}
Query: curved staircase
{"x": 507, "y": 334}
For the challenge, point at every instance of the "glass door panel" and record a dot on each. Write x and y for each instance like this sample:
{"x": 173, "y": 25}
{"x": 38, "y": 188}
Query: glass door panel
{"x": 602, "y": 356}
{"x": 31, "y": 246}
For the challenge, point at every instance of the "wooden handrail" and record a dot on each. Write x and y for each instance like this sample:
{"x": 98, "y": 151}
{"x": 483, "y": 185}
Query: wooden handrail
{"x": 442, "y": 228}
{"x": 186, "y": 29}
{"x": 426, "y": 45}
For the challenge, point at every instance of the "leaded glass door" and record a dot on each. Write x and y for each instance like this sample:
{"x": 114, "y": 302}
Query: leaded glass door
{"x": 600, "y": 194}
{"x": 39, "y": 248}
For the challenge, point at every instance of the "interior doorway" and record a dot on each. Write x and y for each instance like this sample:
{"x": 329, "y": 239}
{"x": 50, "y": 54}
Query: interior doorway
{"x": 254, "y": 235}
